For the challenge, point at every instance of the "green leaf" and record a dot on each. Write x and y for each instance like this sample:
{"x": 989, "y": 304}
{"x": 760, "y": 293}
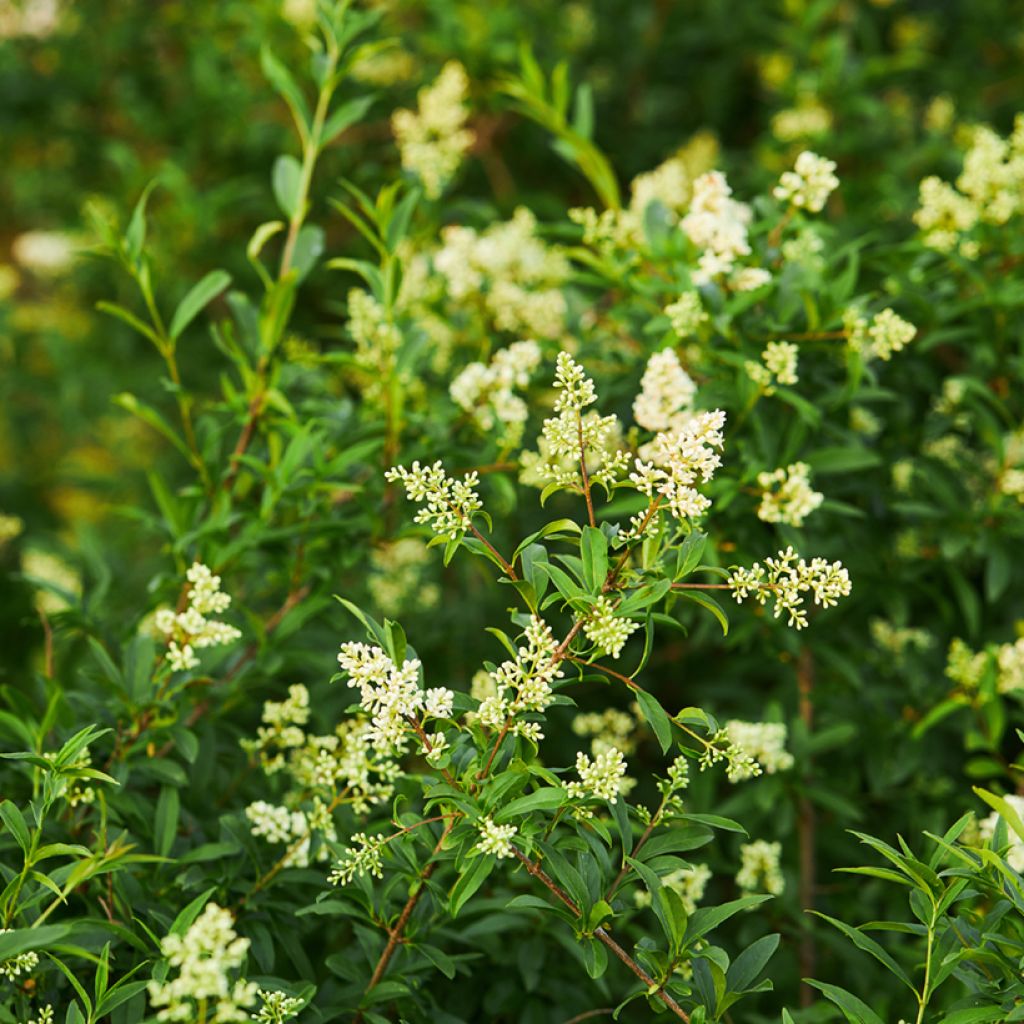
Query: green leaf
{"x": 594, "y": 551}
{"x": 845, "y": 459}
{"x": 469, "y": 881}
{"x": 441, "y": 960}
{"x": 748, "y": 965}
{"x": 344, "y": 117}
{"x": 710, "y": 603}
{"x": 595, "y": 957}
{"x": 287, "y": 183}
{"x": 15, "y": 822}
{"x": 705, "y": 919}
{"x": 284, "y": 84}
{"x": 198, "y": 297}
{"x": 657, "y": 717}
{"x": 22, "y": 940}
{"x": 135, "y": 234}
{"x": 547, "y": 799}
{"x": 689, "y": 553}
{"x": 869, "y": 945}
{"x": 122, "y": 314}
{"x": 165, "y": 827}
{"x": 855, "y": 1011}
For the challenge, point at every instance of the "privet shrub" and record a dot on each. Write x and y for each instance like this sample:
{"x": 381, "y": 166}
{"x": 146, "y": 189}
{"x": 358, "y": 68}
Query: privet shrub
{"x": 662, "y": 538}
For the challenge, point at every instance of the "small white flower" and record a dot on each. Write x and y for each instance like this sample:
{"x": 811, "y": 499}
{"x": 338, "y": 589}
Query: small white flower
{"x": 496, "y": 840}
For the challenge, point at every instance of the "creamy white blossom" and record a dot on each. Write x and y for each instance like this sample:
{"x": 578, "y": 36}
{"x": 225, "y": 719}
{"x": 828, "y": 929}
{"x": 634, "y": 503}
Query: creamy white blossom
{"x": 496, "y": 840}
{"x": 600, "y": 777}
{"x": 778, "y": 366}
{"x": 686, "y": 314}
{"x": 605, "y": 630}
{"x": 434, "y": 138}
{"x": 809, "y": 184}
{"x": 759, "y": 869}
{"x": 717, "y": 225}
{"x": 204, "y": 961}
{"x": 787, "y": 495}
{"x": 665, "y": 389}
{"x": 449, "y": 503}
{"x": 787, "y": 579}
{"x": 193, "y": 629}
{"x": 765, "y": 742}
{"x": 987, "y": 829}
{"x": 678, "y": 461}
{"x": 885, "y": 334}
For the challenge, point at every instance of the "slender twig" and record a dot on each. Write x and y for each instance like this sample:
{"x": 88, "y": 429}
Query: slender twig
{"x": 583, "y": 469}
{"x": 601, "y": 935}
{"x": 806, "y": 828}
{"x": 396, "y": 932}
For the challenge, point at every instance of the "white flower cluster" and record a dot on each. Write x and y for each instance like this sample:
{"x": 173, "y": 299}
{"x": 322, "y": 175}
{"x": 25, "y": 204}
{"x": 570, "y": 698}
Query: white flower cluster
{"x": 987, "y": 829}
{"x": 967, "y": 668}
{"x": 44, "y": 1015}
{"x": 686, "y": 314}
{"x": 376, "y": 335}
{"x": 678, "y": 459}
{"x": 69, "y": 780}
{"x": 496, "y": 840}
{"x": 717, "y": 225}
{"x": 488, "y": 391}
{"x": 390, "y": 694}
{"x": 897, "y": 640}
{"x": 606, "y": 631}
{"x": 396, "y": 578}
{"x": 60, "y": 580}
{"x": 572, "y": 434}
{"x": 600, "y": 777}
{"x": 763, "y": 741}
{"x": 676, "y": 780}
{"x": 191, "y": 629}
{"x": 513, "y": 273}
{"x": 343, "y": 759}
{"x": 739, "y": 765}
{"x": 778, "y": 366}
{"x": 10, "y": 527}
{"x": 605, "y": 458}
{"x": 809, "y": 184}
{"x": 689, "y": 883}
{"x": 448, "y": 504}
{"x": 759, "y": 868}
{"x": 1009, "y": 475}
{"x": 277, "y": 1007}
{"x": 666, "y": 389}
{"x": 805, "y": 250}
{"x": 523, "y": 685}
{"x": 990, "y": 189}
{"x": 295, "y": 829}
{"x": 204, "y": 958}
{"x": 807, "y": 120}
{"x": 887, "y": 333}
{"x": 433, "y": 138}
{"x": 45, "y": 252}
{"x": 23, "y": 963}
{"x": 621, "y": 231}
{"x": 608, "y": 728}
{"x": 787, "y": 495}
{"x": 787, "y": 579}
{"x": 363, "y": 857}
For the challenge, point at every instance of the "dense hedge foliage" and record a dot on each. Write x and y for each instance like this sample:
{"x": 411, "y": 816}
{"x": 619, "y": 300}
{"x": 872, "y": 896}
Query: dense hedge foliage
{"x": 511, "y": 512}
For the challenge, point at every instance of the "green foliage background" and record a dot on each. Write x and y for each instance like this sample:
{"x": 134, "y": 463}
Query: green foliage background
{"x": 123, "y": 94}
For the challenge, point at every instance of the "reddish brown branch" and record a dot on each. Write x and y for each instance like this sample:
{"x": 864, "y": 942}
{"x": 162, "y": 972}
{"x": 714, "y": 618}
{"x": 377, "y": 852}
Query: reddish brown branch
{"x": 806, "y": 827}
{"x": 397, "y": 930}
